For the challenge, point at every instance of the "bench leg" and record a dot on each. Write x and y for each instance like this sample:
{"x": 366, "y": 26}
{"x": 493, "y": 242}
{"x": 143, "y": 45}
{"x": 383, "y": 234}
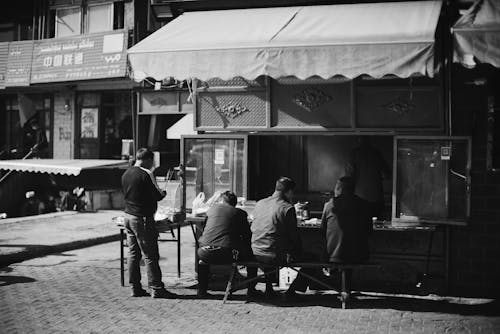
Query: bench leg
{"x": 122, "y": 267}
{"x": 229, "y": 283}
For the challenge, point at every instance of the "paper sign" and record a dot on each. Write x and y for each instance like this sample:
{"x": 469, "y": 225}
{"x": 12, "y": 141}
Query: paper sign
{"x": 219, "y": 156}
{"x": 90, "y": 122}
{"x": 445, "y": 153}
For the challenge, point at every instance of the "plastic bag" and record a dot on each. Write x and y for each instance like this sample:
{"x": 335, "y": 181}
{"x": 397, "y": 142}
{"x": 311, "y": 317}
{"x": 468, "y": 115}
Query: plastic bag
{"x": 198, "y": 203}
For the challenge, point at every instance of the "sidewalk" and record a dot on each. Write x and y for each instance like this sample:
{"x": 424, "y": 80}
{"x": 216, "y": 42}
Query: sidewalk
{"x": 28, "y": 237}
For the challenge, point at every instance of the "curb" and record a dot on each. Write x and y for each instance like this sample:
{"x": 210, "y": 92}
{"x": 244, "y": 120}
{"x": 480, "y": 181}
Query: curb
{"x": 41, "y": 251}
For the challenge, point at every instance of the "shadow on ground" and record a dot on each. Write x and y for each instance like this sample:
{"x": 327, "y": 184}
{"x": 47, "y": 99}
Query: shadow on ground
{"x": 10, "y": 280}
{"x": 367, "y": 301}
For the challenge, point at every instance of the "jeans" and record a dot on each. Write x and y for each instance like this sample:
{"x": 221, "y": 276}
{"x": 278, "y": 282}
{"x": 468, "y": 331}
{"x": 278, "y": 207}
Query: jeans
{"x": 219, "y": 255}
{"x": 142, "y": 236}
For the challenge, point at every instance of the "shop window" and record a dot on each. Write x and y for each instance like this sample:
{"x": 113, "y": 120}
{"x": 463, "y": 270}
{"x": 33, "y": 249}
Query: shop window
{"x": 432, "y": 179}
{"x": 68, "y": 21}
{"x": 105, "y": 119}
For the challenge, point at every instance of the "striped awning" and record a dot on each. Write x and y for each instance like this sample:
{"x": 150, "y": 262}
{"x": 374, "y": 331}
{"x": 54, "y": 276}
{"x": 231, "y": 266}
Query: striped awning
{"x": 349, "y": 40}
{"x": 60, "y": 166}
{"x": 477, "y": 34}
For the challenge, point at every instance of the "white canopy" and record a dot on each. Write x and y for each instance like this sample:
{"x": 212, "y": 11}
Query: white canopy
{"x": 477, "y": 34}
{"x": 59, "y": 166}
{"x": 349, "y": 40}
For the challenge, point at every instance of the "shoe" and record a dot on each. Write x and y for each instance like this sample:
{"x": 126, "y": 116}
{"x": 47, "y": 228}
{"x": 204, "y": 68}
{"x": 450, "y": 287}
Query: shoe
{"x": 139, "y": 293}
{"x": 253, "y": 294}
{"x": 204, "y": 295}
{"x": 292, "y": 296}
{"x": 271, "y": 294}
{"x": 163, "y": 293}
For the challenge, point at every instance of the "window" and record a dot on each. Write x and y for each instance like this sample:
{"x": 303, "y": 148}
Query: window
{"x": 68, "y": 21}
{"x": 99, "y": 18}
{"x": 432, "y": 179}
{"x": 90, "y": 18}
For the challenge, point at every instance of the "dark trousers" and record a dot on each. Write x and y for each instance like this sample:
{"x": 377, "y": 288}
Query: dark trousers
{"x": 267, "y": 263}
{"x": 142, "y": 236}
{"x": 219, "y": 255}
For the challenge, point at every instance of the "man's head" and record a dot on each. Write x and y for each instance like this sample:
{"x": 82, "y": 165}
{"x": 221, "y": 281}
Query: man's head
{"x": 285, "y": 186}
{"x": 344, "y": 186}
{"x": 33, "y": 123}
{"x": 229, "y": 197}
{"x": 145, "y": 158}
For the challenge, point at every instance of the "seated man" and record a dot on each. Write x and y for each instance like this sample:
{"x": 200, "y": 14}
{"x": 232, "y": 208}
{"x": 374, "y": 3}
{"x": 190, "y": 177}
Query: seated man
{"x": 226, "y": 231}
{"x": 275, "y": 235}
{"x": 347, "y": 223}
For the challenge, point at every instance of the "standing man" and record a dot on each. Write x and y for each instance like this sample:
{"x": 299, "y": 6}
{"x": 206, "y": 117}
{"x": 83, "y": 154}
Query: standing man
{"x": 368, "y": 168}
{"x": 141, "y": 194}
{"x": 275, "y": 236}
{"x": 226, "y": 237}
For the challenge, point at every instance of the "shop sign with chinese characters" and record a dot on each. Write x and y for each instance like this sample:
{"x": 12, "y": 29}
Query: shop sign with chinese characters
{"x": 93, "y": 56}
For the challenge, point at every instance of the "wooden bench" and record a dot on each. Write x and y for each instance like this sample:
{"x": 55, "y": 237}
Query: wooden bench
{"x": 270, "y": 269}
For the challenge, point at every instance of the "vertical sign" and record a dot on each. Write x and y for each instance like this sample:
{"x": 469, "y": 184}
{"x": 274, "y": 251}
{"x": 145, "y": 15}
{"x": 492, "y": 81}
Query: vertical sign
{"x": 19, "y": 64}
{"x": 4, "y": 53}
{"x": 90, "y": 122}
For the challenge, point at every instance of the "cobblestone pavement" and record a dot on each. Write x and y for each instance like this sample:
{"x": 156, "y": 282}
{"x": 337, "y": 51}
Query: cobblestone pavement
{"x": 79, "y": 292}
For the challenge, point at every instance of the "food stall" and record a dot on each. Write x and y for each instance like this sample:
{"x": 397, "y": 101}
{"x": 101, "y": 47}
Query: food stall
{"x": 293, "y": 95}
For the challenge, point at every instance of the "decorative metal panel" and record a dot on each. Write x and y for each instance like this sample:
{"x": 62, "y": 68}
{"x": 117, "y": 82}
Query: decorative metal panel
{"x": 391, "y": 107}
{"x": 19, "y": 64}
{"x": 234, "y": 82}
{"x": 311, "y": 103}
{"x": 231, "y": 110}
{"x": 82, "y": 57}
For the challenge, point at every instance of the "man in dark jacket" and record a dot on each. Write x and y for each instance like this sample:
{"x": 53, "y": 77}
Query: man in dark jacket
{"x": 275, "y": 236}
{"x": 226, "y": 236}
{"x": 347, "y": 223}
{"x": 141, "y": 194}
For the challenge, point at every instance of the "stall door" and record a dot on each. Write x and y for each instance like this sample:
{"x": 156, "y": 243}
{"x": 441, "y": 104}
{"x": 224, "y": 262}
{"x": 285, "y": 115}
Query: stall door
{"x": 213, "y": 163}
{"x": 431, "y": 179}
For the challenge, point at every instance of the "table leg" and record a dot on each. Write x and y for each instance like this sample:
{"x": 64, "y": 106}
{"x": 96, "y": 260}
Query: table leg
{"x": 122, "y": 267}
{"x": 179, "y": 251}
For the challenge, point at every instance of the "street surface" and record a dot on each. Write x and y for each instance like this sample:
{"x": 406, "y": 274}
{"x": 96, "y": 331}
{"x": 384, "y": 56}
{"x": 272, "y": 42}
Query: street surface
{"x": 79, "y": 292}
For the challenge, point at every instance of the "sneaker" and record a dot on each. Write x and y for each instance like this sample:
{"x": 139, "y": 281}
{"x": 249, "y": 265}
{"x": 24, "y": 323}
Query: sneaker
{"x": 163, "y": 293}
{"x": 271, "y": 294}
{"x": 292, "y": 296}
{"x": 204, "y": 295}
{"x": 139, "y": 293}
{"x": 253, "y": 294}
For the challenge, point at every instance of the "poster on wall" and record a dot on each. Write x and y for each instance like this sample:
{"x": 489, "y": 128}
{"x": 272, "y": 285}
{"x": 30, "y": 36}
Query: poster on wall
{"x": 90, "y": 119}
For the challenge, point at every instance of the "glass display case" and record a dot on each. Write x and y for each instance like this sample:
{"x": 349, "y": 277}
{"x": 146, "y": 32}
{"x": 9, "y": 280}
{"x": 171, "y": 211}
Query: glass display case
{"x": 432, "y": 179}
{"x": 213, "y": 163}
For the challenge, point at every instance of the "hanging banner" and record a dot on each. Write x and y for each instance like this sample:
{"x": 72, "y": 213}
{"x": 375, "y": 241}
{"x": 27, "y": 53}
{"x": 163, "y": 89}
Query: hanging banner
{"x": 83, "y": 57}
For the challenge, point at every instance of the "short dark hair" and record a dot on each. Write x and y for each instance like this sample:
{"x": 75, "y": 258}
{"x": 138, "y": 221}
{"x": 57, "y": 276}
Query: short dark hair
{"x": 284, "y": 184}
{"x": 229, "y": 197}
{"x": 144, "y": 154}
{"x": 347, "y": 184}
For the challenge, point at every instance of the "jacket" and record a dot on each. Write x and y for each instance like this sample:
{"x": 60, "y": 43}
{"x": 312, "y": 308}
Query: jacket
{"x": 274, "y": 229}
{"x": 226, "y": 227}
{"x": 347, "y": 225}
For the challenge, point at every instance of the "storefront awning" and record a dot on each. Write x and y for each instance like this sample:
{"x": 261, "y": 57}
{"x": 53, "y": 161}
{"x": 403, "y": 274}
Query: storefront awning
{"x": 477, "y": 34}
{"x": 59, "y": 166}
{"x": 349, "y": 40}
